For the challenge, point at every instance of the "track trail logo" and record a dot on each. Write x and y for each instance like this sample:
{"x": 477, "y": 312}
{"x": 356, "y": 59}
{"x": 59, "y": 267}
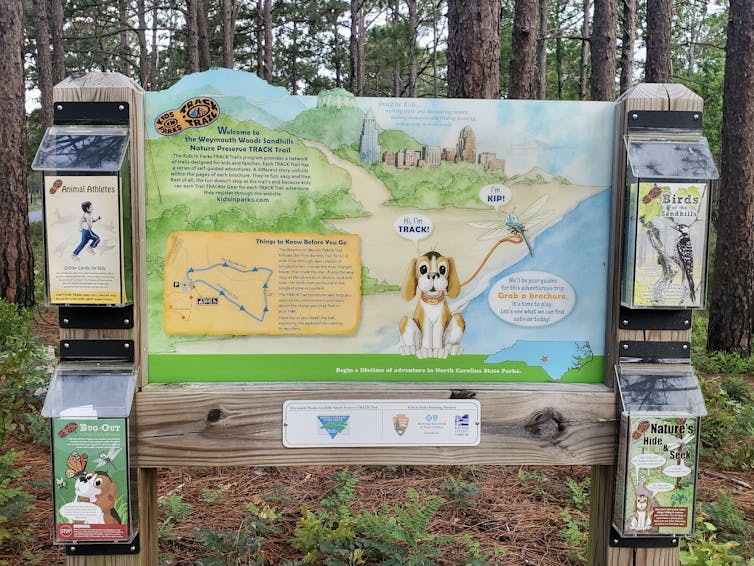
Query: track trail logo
{"x": 194, "y": 113}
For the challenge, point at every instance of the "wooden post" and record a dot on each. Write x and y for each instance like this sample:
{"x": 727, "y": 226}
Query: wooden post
{"x": 664, "y": 97}
{"x": 114, "y": 87}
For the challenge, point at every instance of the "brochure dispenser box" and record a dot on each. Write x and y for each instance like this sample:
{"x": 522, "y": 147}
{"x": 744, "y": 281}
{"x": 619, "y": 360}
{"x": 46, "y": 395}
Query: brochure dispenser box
{"x": 94, "y": 477}
{"x": 669, "y": 178}
{"x": 86, "y": 205}
{"x": 656, "y": 472}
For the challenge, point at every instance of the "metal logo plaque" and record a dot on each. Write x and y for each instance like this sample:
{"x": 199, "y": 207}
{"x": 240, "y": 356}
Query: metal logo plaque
{"x": 383, "y": 423}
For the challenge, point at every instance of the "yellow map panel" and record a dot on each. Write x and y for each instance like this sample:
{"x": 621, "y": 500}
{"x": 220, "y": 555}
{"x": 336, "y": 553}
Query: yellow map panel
{"x": 226, "y": 283}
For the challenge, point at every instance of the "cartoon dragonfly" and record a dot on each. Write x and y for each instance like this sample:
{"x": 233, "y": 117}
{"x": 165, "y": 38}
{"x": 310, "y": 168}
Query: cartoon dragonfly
{"x": 106, "y": 458}
{"x": 516, "y": 224}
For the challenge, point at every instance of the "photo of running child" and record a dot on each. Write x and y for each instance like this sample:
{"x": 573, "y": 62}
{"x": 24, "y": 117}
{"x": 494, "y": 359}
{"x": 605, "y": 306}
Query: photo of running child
{"x": 86, "y": 225}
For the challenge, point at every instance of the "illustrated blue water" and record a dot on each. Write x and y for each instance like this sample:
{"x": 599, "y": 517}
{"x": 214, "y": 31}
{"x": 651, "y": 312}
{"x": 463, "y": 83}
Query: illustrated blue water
{"x": 575, "y": 249}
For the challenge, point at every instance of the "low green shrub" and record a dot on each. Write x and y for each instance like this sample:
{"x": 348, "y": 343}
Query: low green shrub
{"x": 24, "y": 368}
{"x": 727, "y": 432}
{"x": 704, "y": 548}
{"x": 730, "y": 521}
{"x": 14, "y": 500}
{"x": 462, "y": 494}
{"x": 392, "y": 536}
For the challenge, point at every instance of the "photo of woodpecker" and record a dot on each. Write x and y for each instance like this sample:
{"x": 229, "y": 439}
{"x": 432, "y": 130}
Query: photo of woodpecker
{"x": 684, "y": 257}
{"x": 670, "y": 247}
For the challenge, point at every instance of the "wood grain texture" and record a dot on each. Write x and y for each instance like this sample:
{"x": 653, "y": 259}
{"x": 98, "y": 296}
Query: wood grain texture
{"x": 641, "y": 97}
{"x": 114, "y": 560}
{"x": 241, "y": 424}
{"x": 114, "y": 87}
{"x": 645, "y": 557}
{"x": 148, "y": 512}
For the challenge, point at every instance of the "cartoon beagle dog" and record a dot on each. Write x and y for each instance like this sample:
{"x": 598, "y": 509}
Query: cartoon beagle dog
{"x": 98, "y": 488}
{"x": 641, "y": 520}
{"x": 433, "y": 332}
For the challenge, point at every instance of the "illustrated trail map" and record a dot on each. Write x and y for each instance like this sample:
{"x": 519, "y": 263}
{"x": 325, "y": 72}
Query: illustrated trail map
{"x": 335, "y": 238}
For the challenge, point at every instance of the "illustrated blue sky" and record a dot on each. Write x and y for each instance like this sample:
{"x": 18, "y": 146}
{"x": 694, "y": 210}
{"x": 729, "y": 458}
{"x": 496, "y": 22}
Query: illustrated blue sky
{"x": 570, "y": 139}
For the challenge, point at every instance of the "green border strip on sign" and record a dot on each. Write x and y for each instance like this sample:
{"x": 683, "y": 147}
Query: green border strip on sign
{"x": 176, "y": 368}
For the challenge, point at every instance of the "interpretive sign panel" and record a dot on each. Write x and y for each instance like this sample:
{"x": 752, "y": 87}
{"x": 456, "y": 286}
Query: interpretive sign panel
{"x": 90, "y": 466}
{"x": 658, "y": 477}
{"x": 83, "y": 233}
{"x": 366, "y": 239}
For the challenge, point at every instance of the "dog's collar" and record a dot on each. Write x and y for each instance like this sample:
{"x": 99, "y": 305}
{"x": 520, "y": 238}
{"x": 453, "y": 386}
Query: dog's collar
{"x": 431, "y": 300}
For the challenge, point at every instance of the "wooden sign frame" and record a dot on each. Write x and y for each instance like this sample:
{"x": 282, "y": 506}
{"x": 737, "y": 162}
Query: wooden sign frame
{"x": 524, "y": 424}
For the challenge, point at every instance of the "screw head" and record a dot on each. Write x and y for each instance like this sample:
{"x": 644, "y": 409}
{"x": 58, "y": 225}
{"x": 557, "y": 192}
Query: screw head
{"x": 121, "y": 107}
{"x": 60, "y": 107}
{"x": 65, "y": 321}
{"x": 66, "y": 345}
{"x": 133, "y": 549}
{"x": 696, "y": 116}
{"x": 126, "y": 345}
{"x": 126, "y": 321}
{"x": 625, "y": 322}
{"x": 634, "y": 116}
{"x": 625, "y": 346}
{"x": 685, "y": 346}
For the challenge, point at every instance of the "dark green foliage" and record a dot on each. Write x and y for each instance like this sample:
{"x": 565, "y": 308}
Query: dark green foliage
{"x": 23, "y": 367}
{"x": 394, "y": 535}
{"x": 461, "y": 493}
{"x": 730, "y": 521}
{"x": 14, "y": 501}
{"x": 239, "y": 547}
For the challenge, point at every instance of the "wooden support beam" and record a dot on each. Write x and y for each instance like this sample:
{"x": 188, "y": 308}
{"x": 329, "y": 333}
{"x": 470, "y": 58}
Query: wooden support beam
{"x": 114, "y": 87}
{"x": 663, "y": 97}
{"x": 241, "y": 424}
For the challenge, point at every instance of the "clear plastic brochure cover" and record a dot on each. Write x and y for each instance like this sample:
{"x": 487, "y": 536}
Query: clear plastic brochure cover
{"x": 682, "y": 158}
{"x": 662, "y": 389}
{"x": 82, "y": 148}
{"x": 90, "y": 390}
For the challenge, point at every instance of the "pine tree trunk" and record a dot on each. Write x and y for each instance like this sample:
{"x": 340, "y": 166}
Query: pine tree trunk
{"x": 16, "y": 265}
{"x": 202, "y": 28}
{"x": 229, "y": 25}
{"x": 544, "y": 11}
{"x": 294, "y": 60}
{"x": 659, "y": 22}
{"x": 731, "y": 311}
{"x": 435, "y": 63}
{"x": 193, "y": 36}
{"x": 267, "y": 22}
{"x": 413, "y": 25}
{"x": 143, "y": 51}
{"x": 583, "y": 75}
{"x": 603, "y": 45}
{"x": 473, "y": 49}
{"x": 43, "y": 59}
{"x": 559, "y": 71}
{"x": 361, "y": 49}
{"x": 153, "y": 55}
{"x": 124, "y": 53}
{"x": 397, "y": 82}
{"x": 353, "y": 49}
{"x": 523, "y": 49}
{"x": 259, "y": 33}
{"x": 58, "y": 51}
{"x": 627, "y": 45}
